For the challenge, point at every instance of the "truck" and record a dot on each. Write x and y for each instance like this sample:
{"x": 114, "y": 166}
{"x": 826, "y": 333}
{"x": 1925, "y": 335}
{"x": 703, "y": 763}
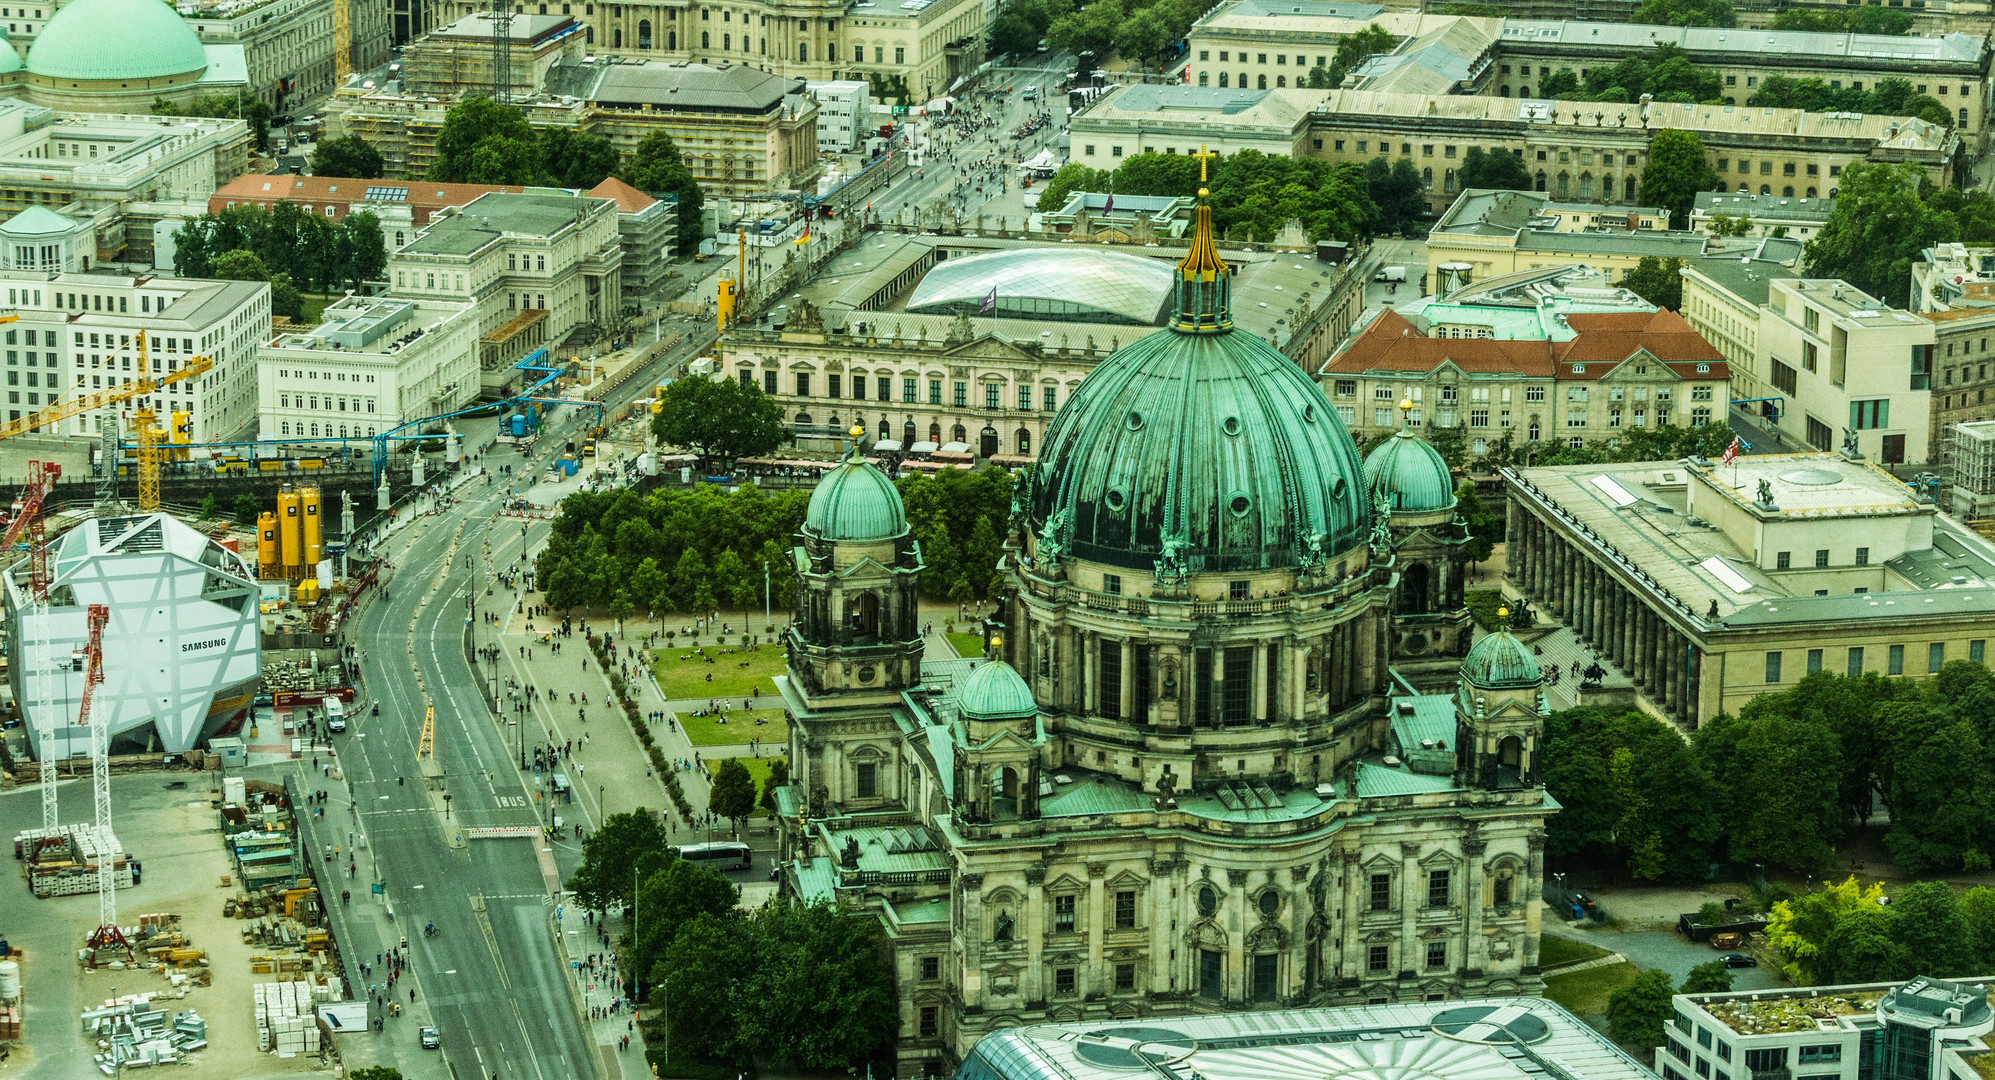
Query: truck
{"x": 1393, "y": 274}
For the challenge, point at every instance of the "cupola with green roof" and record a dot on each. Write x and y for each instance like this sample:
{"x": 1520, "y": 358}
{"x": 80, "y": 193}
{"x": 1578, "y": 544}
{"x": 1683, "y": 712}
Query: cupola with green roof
{"x": 855, "y": 501}
{"x": 1411, "y": 472}
{"x": 995, "y": 691}
{"x": 91, "y": 42}
{"x": 1198, "y": 449}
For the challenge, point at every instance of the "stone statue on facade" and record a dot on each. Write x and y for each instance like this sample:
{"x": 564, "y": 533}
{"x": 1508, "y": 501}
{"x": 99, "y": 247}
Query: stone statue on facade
{"x": 1310, "y": 554}
{"x": 1765, "y": 492}
{"x": 1381, "y": 538}
{"x": 1173, "y": 563}
{"x": 1054, "y": 537}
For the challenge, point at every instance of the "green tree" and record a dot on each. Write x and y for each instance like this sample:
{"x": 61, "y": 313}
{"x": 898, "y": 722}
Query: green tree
{"x": 1978, "y": 905}
{"x": 1676, "y": 171}
{"x": 1634, "y": 796}
{"x": 1485, "y": 528}
{"x": 1659, "y": 281}
{"x": 575, "y": 160}
{"x": 1928, "y": 922}
{"x": 1143, "y": 36}
{"x": 484, "y": 142}
{"x": 689, "y": 577}
{"x": 702, "y": 970}
{"x": 1879, "y": 225}
{"x": 621, "y": 608}
{"x": 1686, "y": 13}
{"x": 366, "y": 257}
{"x": 224, "y": 107}
{"x": 1013, "y": 34}
{"x": 1493, "y": 169}
{"x": 1709, "y": 977}
{"x": 1865, "y": 19}
{"x": 732, "y": 582}
{"x": 376, "y": 1072}
{"x": 656, "y": 168}
{"x": 778, "y": 778}
{"x": 732, "y": 793}
{"x": 1861, "y": 948}
{"x": 348, "y": 156}
{"x": 1637, "y": 1012}
{"x": 1090, "y": 29}
{"x": 609, "y": 857}
{"x": 822, "y": 990}
{"x": 1722, "y": 225}
{"x": 1801, "y": 927}
{"x": 1318, "y": 79}
{"x": 246, "y": 509}
{"x": 1397, "y": 192}
{"x": 210, "y": 506}
{"x": 1779, "y": 772}
{"x": 719, "y": 418}
{"x": 1355, "y": 49}
{"x": 238, "y": 265}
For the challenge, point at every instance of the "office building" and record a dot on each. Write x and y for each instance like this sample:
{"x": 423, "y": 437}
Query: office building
{"x": 1921, "y": 1029}
{"x": 403, "y": 206}
{"x": 536, "y": 265}
{"x": 1792, "y": 217}
{"x": 371, "y": 365}
{"x": 1498, "y": 233}
{"x": 843, "y": 109}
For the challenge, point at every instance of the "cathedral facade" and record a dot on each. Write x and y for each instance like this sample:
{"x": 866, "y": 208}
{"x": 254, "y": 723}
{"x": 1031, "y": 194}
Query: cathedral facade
{"x": 1196, "y": 769}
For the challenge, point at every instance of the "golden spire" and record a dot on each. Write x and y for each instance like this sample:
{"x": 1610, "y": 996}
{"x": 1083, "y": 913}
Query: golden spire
{"x": 1202, "y": 274}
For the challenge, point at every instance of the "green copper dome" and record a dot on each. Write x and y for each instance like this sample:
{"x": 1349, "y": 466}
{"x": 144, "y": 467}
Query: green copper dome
{"x": 1412, "y": 472}
{"x": 855, "y": 501}
{"x": 995, "y": 691}
{"x": 10, "y": 60}
{"x": 1501, "y": 662}
{"x": 116, "y": 39}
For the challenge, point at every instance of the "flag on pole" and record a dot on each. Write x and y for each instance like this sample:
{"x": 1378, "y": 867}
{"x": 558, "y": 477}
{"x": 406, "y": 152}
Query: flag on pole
{"x": 1109, "y": 207}
{"x": 1732, "y": 452}
{"x": 988, "y": 305}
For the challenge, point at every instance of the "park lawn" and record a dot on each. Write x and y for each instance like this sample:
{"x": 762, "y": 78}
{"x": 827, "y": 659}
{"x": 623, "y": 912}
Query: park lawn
{"x": 968, "y": 645}
{"x": 740, "y": 727}
{"x": 1553, "y": 951}
{"x": 682, "y": 679}
{"x": 758, "y": 771}
{"x": 1585, "y": 993}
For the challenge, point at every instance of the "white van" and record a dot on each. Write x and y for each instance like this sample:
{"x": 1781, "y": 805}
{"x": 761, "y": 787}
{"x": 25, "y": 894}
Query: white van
{"x": 335, "y": 715}
{"x": 721, "y": 855}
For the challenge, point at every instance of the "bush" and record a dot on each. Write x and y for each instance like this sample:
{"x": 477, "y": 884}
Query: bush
{"x": 1711, "y": 914}
{"x": 1483, "y": 605}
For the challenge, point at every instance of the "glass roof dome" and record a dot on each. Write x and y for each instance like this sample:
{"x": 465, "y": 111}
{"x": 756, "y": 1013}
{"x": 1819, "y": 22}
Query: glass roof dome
{"x": 1067, "y": 284}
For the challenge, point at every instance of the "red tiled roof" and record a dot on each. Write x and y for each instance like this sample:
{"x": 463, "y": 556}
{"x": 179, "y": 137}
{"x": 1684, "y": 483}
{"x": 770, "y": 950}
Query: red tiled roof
{"x": 629, "y": 200}
{"x": 340, "y": 192}
{"x": 1394, "y": 343}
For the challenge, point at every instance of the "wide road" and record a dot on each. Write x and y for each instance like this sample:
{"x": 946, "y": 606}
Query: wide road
{"x": 493, "y": 976}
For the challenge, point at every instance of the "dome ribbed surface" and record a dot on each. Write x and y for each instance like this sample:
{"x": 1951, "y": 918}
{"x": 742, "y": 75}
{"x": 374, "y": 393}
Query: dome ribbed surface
{"x": 116, "y": 39}
{"x": 855, "y": 501}
{"x": 1413, "y": 473}
{"x": 1214, "y": 438}
{"x": 1501, "y": 662}
{"x": 995, "y": 691}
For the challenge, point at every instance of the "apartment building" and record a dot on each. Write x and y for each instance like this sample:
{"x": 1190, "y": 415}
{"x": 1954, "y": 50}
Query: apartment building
{"x": 1575, "y": 152}
{"x": 536, "y": 266}
{"x": 1543, "y": 356}
{"x": 77, "y": 333}
{"x": 403, "y": 206}
{"x": 371, "y": 365}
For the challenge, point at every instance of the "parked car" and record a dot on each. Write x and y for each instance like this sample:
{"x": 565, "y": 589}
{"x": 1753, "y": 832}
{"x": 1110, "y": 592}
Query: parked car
{"x": 1739, "y": 960}
{"x": 432, "y": 1038}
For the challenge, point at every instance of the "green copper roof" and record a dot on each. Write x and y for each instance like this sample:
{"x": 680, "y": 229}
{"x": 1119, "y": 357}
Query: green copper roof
{"x": 10, "y": 60}
{"x": 855, "y": 501}
{"x": 1213, "y": 438}
{"x": 995, "y": 691}
{"x": 116, "y": 39}
{"x": 1413, "y": 473}
{"x": 1501, "y": 662}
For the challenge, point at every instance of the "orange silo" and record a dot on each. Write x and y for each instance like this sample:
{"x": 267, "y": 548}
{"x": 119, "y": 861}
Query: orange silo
{"x": 291, "y": 535}
{"x": 314, "y": 541}
{"x": 266, "y": 546}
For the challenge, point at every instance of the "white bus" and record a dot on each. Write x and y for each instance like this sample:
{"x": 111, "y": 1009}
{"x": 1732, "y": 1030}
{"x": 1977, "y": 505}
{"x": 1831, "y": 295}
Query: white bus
{"x": 721, "y": 855}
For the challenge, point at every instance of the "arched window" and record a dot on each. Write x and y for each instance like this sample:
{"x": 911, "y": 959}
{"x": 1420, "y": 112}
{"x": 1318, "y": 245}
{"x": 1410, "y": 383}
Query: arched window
{"x": 616, "y": 38}
{"x": 671, "y": 39}
{"x": 284, "y": 428}
{"x": 884, "y": 429}
{"x": 935, "y": 433}
{"x": 1263, "y": 81}
{"x": 644, "y": 33}
{"x": 1222, "y": 78}
{"x": 1427, "y": 178}
{"x": 315, "y": 431}
{"x": 1811, "y": 193}
{"x": 1448, "y": 181}
{"x": 706, "y": 40}
{"x": 589, "y": 34}
{"x": 958, "y": 434}
{"x": 907, "y": 435}
{"x": 1281, "y": 81}
{"x": 726, "y": 42}
{"x": 1024, "y": 441}
{"x": 1787, "y": 191}
{"x": 1565, "y": 186}
{"x": 1202, "y": 77}
{"x": 1586, "y": 185}
{"x": 1523, "y": 91}
{"x": 803, "y": 50}
{"x": 1766, "y": 189}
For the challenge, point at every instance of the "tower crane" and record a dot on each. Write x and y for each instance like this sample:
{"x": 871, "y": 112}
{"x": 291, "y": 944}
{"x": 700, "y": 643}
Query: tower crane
{"x": 42, "y": 476}
{"x": 107, "y": 935}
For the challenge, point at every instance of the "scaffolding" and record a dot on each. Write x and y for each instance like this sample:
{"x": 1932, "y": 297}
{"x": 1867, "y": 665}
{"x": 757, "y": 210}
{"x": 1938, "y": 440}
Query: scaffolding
{"x": 1968, "y": 460}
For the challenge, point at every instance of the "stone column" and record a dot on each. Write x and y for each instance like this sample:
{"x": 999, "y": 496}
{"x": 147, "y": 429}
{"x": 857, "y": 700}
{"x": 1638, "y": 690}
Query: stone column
{"x": 1033, "y": 932}
{"x": 1098, "y": 916}
{"x": 970, "y": 945}
{"x": 1473, "y": 946}
{"x": 1127, "y": 690}
{"x": 1259, "y": 708}
{"x": 1352, "y": 966}
{"x": 1638, "y": 668}
{"x": 1693, "y": 705}
{"x": 1412, "y": 897}
{"x": 1665, "y": 689}
{"x": 1533, "y": 885}
{"x": 1166, "y": 965}
{"x": 1236, "y": 915}
{"x": 1090, "y": 672}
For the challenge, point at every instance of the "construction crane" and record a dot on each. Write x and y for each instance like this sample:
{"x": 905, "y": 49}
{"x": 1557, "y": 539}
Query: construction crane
{"x": 107, "y": 935}
{"x": 140, "y": 387}
{"x": 42, "y": 476}
{"x": 342, "y": 44}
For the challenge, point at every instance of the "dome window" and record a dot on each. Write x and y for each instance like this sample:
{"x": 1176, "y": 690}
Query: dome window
{"x": 1271, "y": 902}
{"x": 1337, "y": 489}
{"x": 1116, "y": 500}
{"x": 1309, "y": 414}
{"x": 1135, "y": 420}
{"x": 1241, "y": 504}
{"x": 1231, "y": 425}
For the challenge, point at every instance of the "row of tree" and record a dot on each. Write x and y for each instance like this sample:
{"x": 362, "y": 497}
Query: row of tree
{"x": 483, "y": 142}
{"x": 1859, "y": 19}
{"x": 1850, "y": 933}
{"x": 804, "y": 983}
{"x": 1785, "y": 781}
{"x": 1666, "y": 72}
{"x": 285, "y": 246}
{"x": 1253, "y": 194}
{"x": 1886, "y": 97}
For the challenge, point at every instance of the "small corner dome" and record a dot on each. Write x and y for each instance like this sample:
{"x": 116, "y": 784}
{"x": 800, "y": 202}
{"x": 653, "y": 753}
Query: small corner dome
{"x": 10, "y": 60}
{"x": 116, "y": 40}
{"x": 1500, "y": 662}
{"x": 1412, "y": 472}
{"x": 855, "y": 501}
{"x": 996, "y": 691}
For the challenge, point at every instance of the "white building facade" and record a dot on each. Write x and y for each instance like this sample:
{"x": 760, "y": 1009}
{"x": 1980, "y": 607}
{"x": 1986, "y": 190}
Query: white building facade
{"x": 78, "y": 334}
{"x": 370, "y": 366}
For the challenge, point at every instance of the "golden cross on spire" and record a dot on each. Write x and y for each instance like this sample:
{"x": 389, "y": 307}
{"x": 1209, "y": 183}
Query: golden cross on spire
{"x": 1202, "y": 155}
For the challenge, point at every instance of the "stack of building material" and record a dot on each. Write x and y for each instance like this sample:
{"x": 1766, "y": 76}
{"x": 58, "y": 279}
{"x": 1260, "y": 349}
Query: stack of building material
{"x": 131, "y": 1033}
{"x": 285, "y": 1020}
{"x": 65, "y": 864}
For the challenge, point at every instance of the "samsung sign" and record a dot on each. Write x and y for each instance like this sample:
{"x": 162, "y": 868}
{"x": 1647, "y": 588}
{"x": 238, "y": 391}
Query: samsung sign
{"x": 211, "y": 643}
